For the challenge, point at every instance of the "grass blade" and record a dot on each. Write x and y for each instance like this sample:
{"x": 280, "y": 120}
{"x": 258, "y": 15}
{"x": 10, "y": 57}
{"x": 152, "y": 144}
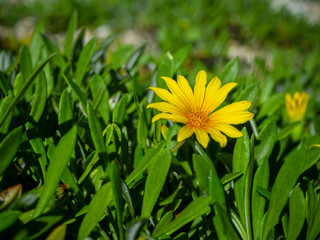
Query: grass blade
{"x": 57, "y": 165}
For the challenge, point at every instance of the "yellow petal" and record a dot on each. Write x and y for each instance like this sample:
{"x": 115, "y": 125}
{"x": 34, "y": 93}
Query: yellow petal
{"x": 165, "y": 107}
{"x": 175, "y": 89}
{"x": 218, "y": 136}
{"x": 228, "y": 130}
{"x": 178, "y": 118}
{"x": 234, "y": 107}
{"x": 200, "y": 88}
{"x": 211, "y": 91}
{"x": 220, "y": 96}
{"x": 230, "y": 118}
{"x": 202, "y": 137}
{"x": 185, "y": 87}
{"x": 172, "y": 117}
{"x": 167, "y": 96}
{"x": 184, "y": 133}
{"x": 161, "y": 116}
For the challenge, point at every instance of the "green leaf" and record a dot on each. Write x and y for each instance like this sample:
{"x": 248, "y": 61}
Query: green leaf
{"x": 230, "y": 71}
{"x": 95, "y": 210}
{"x": 135, "y": 229}
{"x": 9, "y": 147}
{"x": 196, "y": 208}
{"x": 208, "y": 178}
{"x": 78, "y": 91}
{"x": 202, "y": 169}
{"x": 296, "y": 213}
{"x": 156, "y": 178}
{"x": 39, "y": 226}
{"x": 287, "y": 130}
{"x": 40, "y": 98}
{"x": 84, "y": 59}
{"x": 25, "y": 65}
{"x": 266, "y": 139}
{"x": 24, "y": 88}
{"x": 241, "y": 159}
{"x": 57, "y": 165}
{"x": 8, "y": 218}
{"x": 65, "y": 114}
{"x": 36, "y": 44}
{"x": 37, "y": 146}
{"x": 70, "y": 34}
{"x": 5, "y": 103}
{"x": 58, "y": 233}
{"x": 95, "y": 130}
{"x": 223, "y": 226}
{"x": 230, "y": 177}
{"x": 99, "y": 86}
{"x": 249, "y": 93}
{"x": 165, "y": 69}
{"x": 58, "y": 58}
{"x": 119, "y": 111}
{"x": 261, "y": 179}
{"x": 121, "y": 55}
{"x": 163, "y": 223}
{"x": 271, "y": 106}
{"x": 145, "y": 161}
{"x": 285, "y": 180}
{"x": 180, "y": 56}
{"x": 114, "y": 174}
{"x": 135, "y": 57}
{"x": 314, "y": 229}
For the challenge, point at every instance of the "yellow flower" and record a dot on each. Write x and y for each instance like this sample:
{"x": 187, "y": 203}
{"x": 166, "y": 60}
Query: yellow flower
{"x": 196, "y": 109}
{"x": 296, "y": 106}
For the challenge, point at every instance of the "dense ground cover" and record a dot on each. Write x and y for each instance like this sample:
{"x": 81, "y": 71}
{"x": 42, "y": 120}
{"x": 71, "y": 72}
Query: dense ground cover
{"x": 81, "y": 157}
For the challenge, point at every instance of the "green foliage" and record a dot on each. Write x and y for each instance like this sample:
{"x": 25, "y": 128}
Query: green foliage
{"x": 80, "y": 157}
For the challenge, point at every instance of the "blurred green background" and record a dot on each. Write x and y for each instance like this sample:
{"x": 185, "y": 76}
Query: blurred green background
{"x": 211, "y": 26}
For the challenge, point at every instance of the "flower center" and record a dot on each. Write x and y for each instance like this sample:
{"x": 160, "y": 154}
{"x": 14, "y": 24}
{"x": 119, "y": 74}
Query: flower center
{"x": 197, "y": 119}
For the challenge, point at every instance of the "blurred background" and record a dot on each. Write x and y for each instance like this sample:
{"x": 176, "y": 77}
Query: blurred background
{"x": 284, "y": 33}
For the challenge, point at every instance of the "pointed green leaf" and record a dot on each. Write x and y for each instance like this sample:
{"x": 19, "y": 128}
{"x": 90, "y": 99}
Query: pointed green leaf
{"x": 267, "y": 139}
{"x": 24, "y": 88}
{"x": 96, "y": 209}
{"x": 58, "y": 233}
{"x": 180, "y": 56}
{"x": 5, "y": 103}
{"x": 163, "y": 223}
{"x": 65, "y": 114}
{"x": 145, "y": 161}
{"x": 155, "y": 181}
{"x": 249, "y": 93}
{"x": 296, "y": 213}
{"x": 95, "y": 129}
{"x": 121, "y": 55}
{"x": 230, "y": 71}
{"x": 82, "y": 97}
{"x": 40, "y": 98}
{"x": 9, "y": 147}
{"x": 241, "y": 159}
{"x": 57, "y": 165}
{"x": 114, "y": 174}
{"x": 196, "y": 208}
{"x": 119, "y": 111}
{"x": 165, "y": 69}
{"x": 285, "y": 180}
{"x": 84, "y": 60}
{"x": 70, "y": 34}
{"x": 223, "y": 225}
{"x": 8, "y": 218}
{"x": 261, "y": 179}
{"x": 37, "y": 146}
